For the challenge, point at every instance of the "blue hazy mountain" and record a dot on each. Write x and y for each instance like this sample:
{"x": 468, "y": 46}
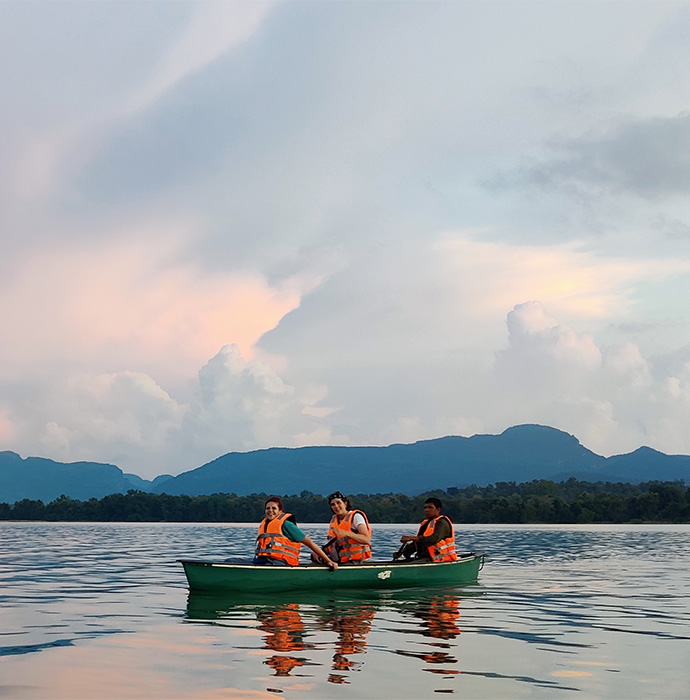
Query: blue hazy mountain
{"x": 136, "y": 482}
{"x": 43, "y": 479}
{"x": 521, "y": 453}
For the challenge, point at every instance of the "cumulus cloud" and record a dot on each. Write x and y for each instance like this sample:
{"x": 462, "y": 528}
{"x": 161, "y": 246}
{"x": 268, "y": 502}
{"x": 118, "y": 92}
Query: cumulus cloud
{"x": 243, "y": 405}
{"x": 128, "y": 419}
{"x": 536, "y": 340}
{"x": 105, "y": 416}
{"x": 611, "y": 397}
{"x": 124, "y": 418}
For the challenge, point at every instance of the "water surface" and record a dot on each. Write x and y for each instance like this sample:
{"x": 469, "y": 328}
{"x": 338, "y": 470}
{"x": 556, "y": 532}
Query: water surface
{"x": 90, "y": 610}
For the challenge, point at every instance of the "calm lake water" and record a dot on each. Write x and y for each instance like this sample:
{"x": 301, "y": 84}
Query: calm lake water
{"x": 91, "y": 610}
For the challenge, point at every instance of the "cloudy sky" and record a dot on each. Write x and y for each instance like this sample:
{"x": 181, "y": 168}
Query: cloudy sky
{"x": 235, "y": 225}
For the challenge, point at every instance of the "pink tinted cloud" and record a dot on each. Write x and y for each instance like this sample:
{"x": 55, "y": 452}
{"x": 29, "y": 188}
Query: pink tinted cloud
{"x": 124, "y": 305}
{"x": 7, "y": 429}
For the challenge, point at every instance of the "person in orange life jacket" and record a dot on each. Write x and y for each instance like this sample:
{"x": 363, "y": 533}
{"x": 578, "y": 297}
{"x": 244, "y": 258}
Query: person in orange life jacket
{"x": 279, "y": 539}
{"x": 435, "y": 539}
{"x": 349, "y": 533}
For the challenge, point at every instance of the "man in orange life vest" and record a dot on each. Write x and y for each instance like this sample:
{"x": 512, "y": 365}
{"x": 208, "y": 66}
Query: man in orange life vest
{"x": 435, "y": 539}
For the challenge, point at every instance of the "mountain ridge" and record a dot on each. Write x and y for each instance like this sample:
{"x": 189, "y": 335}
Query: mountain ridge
{"x": 520, "y": 453}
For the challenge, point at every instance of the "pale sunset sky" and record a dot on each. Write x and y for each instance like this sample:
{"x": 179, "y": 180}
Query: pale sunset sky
{"x": 236, "y": 225}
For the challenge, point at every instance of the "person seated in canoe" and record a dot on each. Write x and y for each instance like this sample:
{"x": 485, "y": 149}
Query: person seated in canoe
{"x": 435, "y": 539}
{"x": 279, "y": 540}
{"x": 349, "y": 533}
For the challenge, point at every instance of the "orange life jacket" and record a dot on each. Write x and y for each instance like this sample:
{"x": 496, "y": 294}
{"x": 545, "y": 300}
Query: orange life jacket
{"x": 347, "y": 549}
{"x": 272, "y": 543}
{"x": 443, "y": 550}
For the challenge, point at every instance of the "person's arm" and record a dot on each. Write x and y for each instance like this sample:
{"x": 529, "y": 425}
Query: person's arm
{"x": 319, "y": 552}
{"x": 441, "y": 531}
{"x": 292, "y": 532}
{"x": 413, "y": 538}
{"x": 356, "y": 535}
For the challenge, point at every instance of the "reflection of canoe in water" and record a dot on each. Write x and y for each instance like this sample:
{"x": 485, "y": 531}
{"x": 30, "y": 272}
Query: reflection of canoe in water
{"x": 217, "y": 605}
{"x": 220, "y": 576}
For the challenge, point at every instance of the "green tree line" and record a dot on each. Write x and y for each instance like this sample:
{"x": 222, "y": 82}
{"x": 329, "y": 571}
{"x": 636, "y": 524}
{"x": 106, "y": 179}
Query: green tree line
{"x": 538, "y": 501}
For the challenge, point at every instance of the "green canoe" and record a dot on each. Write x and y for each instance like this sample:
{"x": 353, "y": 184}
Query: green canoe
{"x": 219, "y": 576}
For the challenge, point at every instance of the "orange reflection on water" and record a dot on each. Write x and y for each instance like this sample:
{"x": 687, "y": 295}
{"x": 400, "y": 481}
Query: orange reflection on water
{"x": 441, "y": 617}
{"x": 288, "y": 629}
{"x": 284, "y": 631}
{"x": 282, "y": 665}
{"x": 338, "y": 678}
{"x": 283, "y": 626}
{"x": 352, "y": 625}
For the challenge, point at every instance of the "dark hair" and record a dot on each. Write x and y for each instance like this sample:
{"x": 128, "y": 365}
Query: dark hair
{"x": 344, "y": 499}
{"x": 274, "y": 499}
{"x": 434, "y": 502}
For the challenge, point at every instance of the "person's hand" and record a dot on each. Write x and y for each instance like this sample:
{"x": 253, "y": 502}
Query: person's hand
{"x": 407, "y": 538}
{"x": 332, "y": 564}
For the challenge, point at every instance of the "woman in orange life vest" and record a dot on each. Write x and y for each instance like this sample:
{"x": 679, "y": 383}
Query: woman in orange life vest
{"x": 349, "y": 534}
{"x": 279, "y": 540}
{"x": 435, "y": 539}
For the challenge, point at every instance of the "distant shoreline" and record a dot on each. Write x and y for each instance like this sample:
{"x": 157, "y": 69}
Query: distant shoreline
{"x": 535, "y": 502}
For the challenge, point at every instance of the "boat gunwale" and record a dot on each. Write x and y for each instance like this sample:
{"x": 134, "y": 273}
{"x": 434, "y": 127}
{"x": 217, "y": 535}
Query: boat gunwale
{"x": 472, "y": 556}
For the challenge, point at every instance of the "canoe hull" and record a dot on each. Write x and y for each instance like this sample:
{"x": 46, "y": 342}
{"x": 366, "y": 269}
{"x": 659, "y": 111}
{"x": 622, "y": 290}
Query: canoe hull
{"x": 220, "y": 576}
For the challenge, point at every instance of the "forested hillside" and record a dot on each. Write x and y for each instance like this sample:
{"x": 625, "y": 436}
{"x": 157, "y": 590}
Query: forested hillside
{"x": 539, "y": 501}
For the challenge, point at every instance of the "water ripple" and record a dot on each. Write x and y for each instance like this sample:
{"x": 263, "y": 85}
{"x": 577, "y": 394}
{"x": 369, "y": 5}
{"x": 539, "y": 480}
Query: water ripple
{"x": 606, "y": 608}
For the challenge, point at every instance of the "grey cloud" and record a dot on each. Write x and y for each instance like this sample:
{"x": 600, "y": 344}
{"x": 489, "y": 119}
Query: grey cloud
{"x": 644, "y": 326}
{"x": 647, "y": 159}
{"x": 670, "y": 227}
{"x": 285, "y": 152}
{"x": 58, "y": 59}
{"x": 672, "y": 364}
